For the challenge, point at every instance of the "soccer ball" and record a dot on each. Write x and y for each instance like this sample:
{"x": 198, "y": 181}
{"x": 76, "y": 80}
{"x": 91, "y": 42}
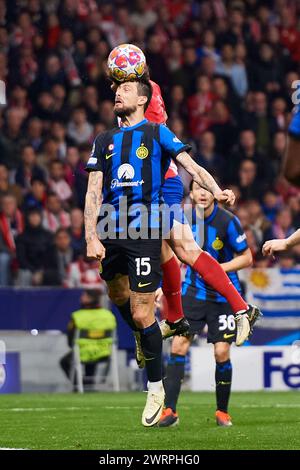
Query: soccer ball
{"x": 126, "y": 62}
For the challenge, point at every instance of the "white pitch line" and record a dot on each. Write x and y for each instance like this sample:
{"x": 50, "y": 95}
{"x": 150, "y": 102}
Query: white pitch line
{"x": 11, "y": 448}
{"x": 276, "y": 405}
{"x": 77, "y": 408}
{"x": 70, "y": 408}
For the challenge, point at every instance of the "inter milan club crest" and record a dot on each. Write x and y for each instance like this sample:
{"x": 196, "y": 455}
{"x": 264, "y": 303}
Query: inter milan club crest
{"x": 217, "y": 244}
{"x": 142, "y": 152}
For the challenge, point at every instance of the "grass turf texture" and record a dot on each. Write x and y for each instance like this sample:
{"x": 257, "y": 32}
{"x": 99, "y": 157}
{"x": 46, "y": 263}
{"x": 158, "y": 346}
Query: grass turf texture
{"x": 112, "y": 421}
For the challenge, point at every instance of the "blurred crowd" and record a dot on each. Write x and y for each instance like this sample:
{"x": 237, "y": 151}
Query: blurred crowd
{"x": 226, "y": 70}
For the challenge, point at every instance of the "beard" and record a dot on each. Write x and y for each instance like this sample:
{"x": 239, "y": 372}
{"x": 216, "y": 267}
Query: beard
{"x": 125, "y": 111}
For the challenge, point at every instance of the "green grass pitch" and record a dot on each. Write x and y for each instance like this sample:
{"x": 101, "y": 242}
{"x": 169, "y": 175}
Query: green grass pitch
{"x": 106, "y": 421}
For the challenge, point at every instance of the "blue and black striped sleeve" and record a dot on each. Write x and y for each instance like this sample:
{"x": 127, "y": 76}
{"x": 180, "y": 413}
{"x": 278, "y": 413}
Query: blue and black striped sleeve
{"x": 170, "y": 143}
{"x": 95, "y": 162}
{"x": 236, "y": 236}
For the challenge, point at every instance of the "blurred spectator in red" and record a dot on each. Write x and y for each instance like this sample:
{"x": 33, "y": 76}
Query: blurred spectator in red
{"x": 28, "y": 67}
{"x": 199, "y": 106}
{"x": 57, "y": 183}
{"x": 11, "y": 225}
{"x": 54, "y": 216}
{"x": 289, "y": 35}
{"x": 53, "y": 31}
{"x": 24, "y": 31}
{"x": 84, "y": 273}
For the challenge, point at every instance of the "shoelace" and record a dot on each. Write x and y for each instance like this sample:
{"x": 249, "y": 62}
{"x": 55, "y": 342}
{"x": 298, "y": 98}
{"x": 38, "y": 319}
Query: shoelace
{"x": 154, "y": 401}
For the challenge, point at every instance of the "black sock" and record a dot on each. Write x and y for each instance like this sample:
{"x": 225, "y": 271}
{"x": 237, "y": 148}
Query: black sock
{"x": 126, "y": 315}
{"x": 223, "y": 384}
{"x": 173, "y": 380}
{"x": 151, "y": 342}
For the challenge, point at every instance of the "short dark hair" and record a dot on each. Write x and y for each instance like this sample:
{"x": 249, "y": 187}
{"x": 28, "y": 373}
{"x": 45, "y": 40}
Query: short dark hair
{"x": 145, "y": 89}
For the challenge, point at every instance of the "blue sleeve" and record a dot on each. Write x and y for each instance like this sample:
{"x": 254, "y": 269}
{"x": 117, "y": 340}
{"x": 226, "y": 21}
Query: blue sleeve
{"x": 236, "y": 236}
{"x": 170, "y": 143}
{"x": 294, "y": 126}
{"x": 95, "y": 162}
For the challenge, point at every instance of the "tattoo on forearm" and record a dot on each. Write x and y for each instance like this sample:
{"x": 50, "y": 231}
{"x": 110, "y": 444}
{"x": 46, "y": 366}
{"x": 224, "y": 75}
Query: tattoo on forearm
{"x": 142, "y": 299}
{"x": 92, "y": 204}
{"x": 199, "y": 174}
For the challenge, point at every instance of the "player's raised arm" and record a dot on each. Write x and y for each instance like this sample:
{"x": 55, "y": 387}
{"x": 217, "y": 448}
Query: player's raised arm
{"x": 272, "y": 246}
{"x": 95, "y": 249}
{"x": 204, "y": 179}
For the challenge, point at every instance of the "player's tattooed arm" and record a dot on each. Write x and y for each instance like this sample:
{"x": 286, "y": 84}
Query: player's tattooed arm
{"x": 93, "y": 198}
{"x": 205, "y": 179}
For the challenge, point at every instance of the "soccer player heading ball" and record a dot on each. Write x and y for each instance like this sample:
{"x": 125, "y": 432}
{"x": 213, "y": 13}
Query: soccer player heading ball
{"x": 130, "y": 162}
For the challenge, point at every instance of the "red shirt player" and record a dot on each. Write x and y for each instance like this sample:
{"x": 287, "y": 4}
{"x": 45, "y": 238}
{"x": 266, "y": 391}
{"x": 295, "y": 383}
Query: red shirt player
{"x": 173, "y": 192}
{"x": 156, "y": 112}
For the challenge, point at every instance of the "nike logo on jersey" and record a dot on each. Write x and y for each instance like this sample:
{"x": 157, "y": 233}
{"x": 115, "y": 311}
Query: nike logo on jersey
{"x": 226, "y": 336}
{"x": 144, "y": 285}
{"x": 110, "y": 155}
{"x": 150, "y": 420}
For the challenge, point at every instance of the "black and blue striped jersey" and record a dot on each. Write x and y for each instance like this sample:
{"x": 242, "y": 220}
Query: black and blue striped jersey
{"x": 134, "y": 161}
{"x": 222, "y": 236}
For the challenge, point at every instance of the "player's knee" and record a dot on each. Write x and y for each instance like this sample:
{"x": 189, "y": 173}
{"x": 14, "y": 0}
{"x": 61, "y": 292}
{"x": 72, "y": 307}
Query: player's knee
{"x": 180, "y": 345}
{"x": 139, "y": 317}
{"x": 222, "y": 352}
{"x": 188, "y": 257}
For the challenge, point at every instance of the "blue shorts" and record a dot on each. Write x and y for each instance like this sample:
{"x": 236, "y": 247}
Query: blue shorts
{"x": 173, "y": 193}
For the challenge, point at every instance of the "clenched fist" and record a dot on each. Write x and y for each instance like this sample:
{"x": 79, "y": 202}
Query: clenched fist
{"x": 227, "y": 197}
{"x": 95, "y": 249}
